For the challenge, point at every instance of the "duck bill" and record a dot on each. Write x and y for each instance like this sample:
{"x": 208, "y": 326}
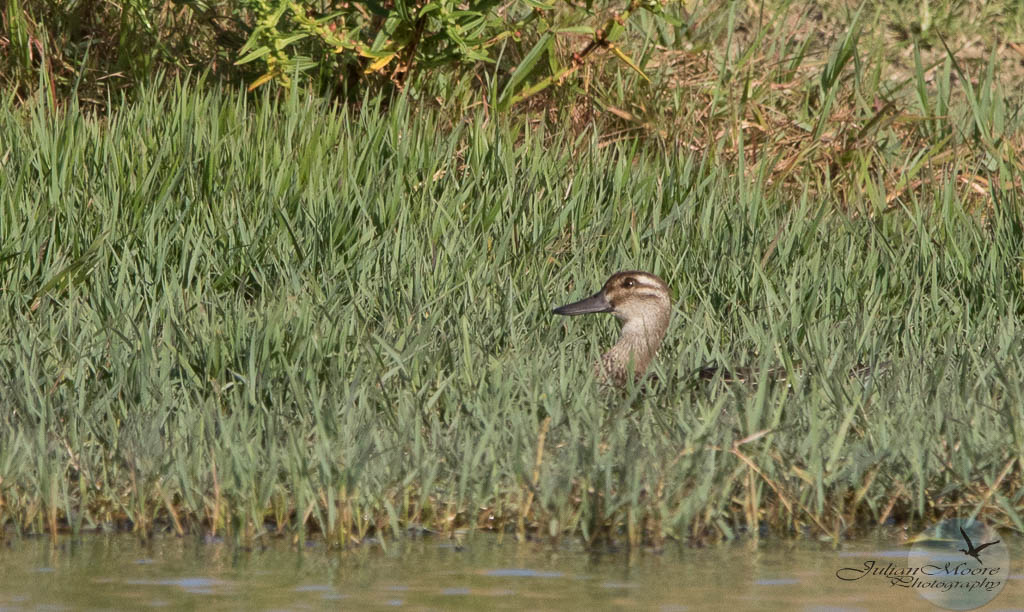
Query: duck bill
{"x": 595, "y": 303}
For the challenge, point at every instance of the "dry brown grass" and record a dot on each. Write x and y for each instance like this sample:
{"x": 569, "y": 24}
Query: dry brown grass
{"x": 908, "y": 108}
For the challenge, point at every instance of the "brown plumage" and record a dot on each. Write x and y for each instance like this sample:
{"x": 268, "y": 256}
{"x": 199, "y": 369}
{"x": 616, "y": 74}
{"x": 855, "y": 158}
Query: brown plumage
{"x": 641, "y": 301}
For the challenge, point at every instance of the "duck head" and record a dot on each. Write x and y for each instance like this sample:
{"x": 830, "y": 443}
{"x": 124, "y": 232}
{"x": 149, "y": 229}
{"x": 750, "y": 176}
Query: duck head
{"x": 641, "y": 301}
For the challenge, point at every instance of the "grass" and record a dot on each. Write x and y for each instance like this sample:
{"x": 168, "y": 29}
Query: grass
{"x": 275, "y": 318}
{"x": 268, "y": 315}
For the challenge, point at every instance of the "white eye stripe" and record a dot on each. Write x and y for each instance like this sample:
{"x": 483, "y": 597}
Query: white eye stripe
{"x": 647, "y": 285}
{"x": 634, "y": 282}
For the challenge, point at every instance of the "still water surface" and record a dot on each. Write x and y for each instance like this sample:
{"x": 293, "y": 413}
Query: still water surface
{"x": 118, "y": 572}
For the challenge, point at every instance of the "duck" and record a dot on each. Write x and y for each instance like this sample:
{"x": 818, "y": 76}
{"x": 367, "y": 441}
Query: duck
{"x": 641, "y": 301}
{"x": 643, "y": 305}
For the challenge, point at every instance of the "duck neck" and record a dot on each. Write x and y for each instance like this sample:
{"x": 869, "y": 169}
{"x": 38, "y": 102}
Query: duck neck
{"x": 639, "y": 341}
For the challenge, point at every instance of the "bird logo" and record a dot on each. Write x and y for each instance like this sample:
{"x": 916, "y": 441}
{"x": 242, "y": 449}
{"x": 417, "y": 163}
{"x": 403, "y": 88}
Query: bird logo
{"x": 971, "y": 550}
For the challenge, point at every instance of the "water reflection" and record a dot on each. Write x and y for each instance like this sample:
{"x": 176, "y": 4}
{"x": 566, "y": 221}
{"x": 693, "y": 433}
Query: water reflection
{"x": 116, "y": 571}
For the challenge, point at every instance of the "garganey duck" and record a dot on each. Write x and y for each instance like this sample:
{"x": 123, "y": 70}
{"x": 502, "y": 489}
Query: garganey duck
{"x": 639, "y": 300}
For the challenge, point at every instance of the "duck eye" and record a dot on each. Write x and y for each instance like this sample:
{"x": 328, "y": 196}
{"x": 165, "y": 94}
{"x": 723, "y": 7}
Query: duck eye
{"x": 628, "y": 283}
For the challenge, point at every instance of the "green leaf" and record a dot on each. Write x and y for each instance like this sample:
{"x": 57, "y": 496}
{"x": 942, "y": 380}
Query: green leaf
{"x": 255, "y": 55}
{"x": 524, "y": 69}
{"x": 576, "y": 30}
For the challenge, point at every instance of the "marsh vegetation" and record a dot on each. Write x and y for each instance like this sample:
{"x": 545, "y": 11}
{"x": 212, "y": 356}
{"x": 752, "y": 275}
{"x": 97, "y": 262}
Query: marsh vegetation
{"x": 276, "y": 312}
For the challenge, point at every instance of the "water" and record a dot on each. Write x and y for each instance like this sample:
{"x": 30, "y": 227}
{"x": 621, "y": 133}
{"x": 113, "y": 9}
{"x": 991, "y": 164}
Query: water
{"x": 432, "y": 573}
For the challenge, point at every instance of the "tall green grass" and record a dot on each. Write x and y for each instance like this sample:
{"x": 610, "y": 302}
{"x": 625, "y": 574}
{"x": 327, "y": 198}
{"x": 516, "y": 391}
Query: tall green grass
{"x": 257, "y": 317}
